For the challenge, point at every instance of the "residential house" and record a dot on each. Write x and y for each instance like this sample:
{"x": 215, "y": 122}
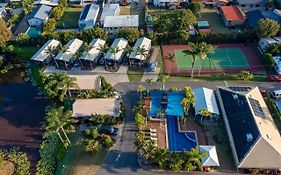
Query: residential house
{"x": 113, "y": 23}
{"x": 232, "y": 16}
{"x": 248, "y": 5}
{"x": 109, "y": 10}
{"x": 205, "y": 99}
{"x": 137, "y": 58}
{"x": 66, "y": 57}
{"x": 112, "y": 58}
{"x": 88, "y": 16}
{"x": 92, "y": 57}
{"x": 52, "y": 3}
{"x": 254, "y": 138}
{"x": 164, "y": 3}
{"x": 42, "y": 56}
{"x": 255, "y": 15}
{"x": 264, "y": 43}
{"x": 3, "y": 11}
{"x": 39, "y": 15}
{"x": 211, "y": 3}
{"x": 83, "y": 108}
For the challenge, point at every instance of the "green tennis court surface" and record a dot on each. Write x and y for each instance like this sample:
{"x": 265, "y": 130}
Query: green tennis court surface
{"x": 221, "y": 58}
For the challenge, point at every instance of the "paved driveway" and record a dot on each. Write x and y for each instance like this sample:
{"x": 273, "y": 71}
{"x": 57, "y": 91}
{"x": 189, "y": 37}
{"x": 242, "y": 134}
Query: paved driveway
{"x": 112, "y": 77}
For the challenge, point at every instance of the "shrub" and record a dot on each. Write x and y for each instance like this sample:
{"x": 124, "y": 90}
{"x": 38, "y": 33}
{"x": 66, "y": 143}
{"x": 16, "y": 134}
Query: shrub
{"x": 268, "y": 60}
{"x": 47, "y": 164}
{"x": 245, "y": 75}
{"x": 95, "y": 133}
{"x": 60, "y": 153}
{"x": 92, "y": 146}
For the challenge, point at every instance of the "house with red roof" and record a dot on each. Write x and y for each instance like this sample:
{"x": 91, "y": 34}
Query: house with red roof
{"x": 232, "y": 16}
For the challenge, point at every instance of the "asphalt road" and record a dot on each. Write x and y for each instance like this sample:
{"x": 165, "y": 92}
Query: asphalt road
{"x": 122, "y": 159}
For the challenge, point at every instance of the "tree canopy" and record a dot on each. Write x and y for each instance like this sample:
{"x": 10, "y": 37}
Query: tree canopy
{"x": 174, "y": 25}
{"x": 5, "y": 33}
{"x": 130, "y": 34}
{"x": 267, "y": 28}
{"x": 195, "y": 7}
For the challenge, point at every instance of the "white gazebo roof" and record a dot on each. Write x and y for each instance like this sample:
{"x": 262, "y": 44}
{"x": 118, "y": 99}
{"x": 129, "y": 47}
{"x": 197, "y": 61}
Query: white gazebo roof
{"x": 41, "y": 54}
{"x": 72, "y": 47}
{"x": 211, "y": 158}
{"x": 118, "y": 42}
{"x": 141, "y": 42}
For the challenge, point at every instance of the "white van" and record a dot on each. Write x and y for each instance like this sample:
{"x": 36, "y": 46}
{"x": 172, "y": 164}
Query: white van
{"x": 276, "y": 94}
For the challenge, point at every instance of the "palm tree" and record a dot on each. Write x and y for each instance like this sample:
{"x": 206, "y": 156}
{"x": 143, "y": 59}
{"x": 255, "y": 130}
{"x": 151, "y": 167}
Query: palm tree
{"x": 142, "y": 52}
{"x": 59, "y": 119}
{"x": 194, "y": 51}
{"x": 163, "y": 79}
{"x": 114, "y": 51}
{"x": 77, "y": 56}
{"x": 189, "y": 98}
{"x": 68, "y": 83}
{"x": 103, "y": 48}
{"x": 149, "y": 82}
{"x": 51, "y": 51}
{"x": 63, "y": 49}
{"x": 195, "y": 157}
{"x": 170, "y": 57}
{"x": 128, "y": 50}
{"x": 204, "y": 113}
{"x": 204, "y": 50}
{"x": 87, "y": 47}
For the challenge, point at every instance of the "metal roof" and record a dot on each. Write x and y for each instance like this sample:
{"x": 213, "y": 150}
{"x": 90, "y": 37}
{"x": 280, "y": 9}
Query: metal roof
{"x": 102, "y": 106}
{"x": 211, "y": 158}
{"x": 205, "y": 98}
{"x": 90, "y": 12}
{"x": 255, "y": 139}
{"x": 121, "y": 21}
{"x": 109, "y": 10}
{"x": 41, "y": 54}
{"x": 94, "y": 52}
{"x": 232, "y": 13}
{"x": 140, "y": 43}
{"x": 72, "y": 47}
{"x": 118, "y": 42}
{"x": 41, "y": 12}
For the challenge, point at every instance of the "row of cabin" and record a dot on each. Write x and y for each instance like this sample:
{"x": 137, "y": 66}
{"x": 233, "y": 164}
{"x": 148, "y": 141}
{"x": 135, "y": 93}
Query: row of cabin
{"x": 89, "y": 59}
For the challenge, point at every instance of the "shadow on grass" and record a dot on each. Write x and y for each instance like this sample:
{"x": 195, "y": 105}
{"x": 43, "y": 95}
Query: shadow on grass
{"x": 135, "y": 74}
{"x": 77, "y": 161}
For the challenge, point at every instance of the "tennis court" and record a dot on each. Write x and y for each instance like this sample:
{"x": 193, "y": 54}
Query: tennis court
{"x": 220, "y": 58}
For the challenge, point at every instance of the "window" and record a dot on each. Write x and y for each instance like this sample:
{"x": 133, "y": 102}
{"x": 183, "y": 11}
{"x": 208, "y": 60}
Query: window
{"x": 257, "y": 5}
{"x": 243, "y": 5}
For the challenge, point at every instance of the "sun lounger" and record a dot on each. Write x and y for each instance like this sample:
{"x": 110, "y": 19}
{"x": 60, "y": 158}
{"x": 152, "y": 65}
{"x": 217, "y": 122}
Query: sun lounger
{"x": 153, "y": 134}
{"x": 154, "y": 138}
{"x": 152, "y": 130}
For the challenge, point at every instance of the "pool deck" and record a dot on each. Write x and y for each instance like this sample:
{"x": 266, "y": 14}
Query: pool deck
{"x": 161, "y": 127}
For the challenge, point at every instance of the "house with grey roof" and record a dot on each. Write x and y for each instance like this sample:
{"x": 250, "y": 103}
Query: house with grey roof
{"x": 88, "y": 16}
{"x": 140, "y": 52}
{"x": 116, "y": 52}
{"x": 109, "y": 10}
{"x": 39, "y": 15}
{"x": 113, "y": 23}
{"x": 248, "y": 5}
{"x": 3, "y": 9}
{"x": 254, "y": 138}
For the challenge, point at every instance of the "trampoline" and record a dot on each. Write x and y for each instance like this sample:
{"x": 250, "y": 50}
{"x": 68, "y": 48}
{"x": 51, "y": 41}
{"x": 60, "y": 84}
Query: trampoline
{"x": 156, "y": 97}
{"x": 179, "y": 141}
{"x": 174, "y": 106}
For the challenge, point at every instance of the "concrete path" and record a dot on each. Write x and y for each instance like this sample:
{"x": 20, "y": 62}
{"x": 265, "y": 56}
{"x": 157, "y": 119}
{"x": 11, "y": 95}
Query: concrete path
{"x": 112, "y": 77}
{"x": 152, "y": 75}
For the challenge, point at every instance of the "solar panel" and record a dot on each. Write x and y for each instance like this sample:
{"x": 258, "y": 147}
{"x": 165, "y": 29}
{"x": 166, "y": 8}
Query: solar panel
{"x": 240, "y": 88}
{"x": 255, "y": 104}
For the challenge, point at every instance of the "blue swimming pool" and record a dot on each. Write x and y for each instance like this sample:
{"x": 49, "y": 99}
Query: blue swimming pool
{"x": 156, "y": 98}
{"x": 179, "y": 141}
{"x": 33, "y": 32}
{"x": 174, "y": 106}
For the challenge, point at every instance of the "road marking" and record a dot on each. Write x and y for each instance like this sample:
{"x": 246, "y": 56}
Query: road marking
{"x": 117, "y": 157}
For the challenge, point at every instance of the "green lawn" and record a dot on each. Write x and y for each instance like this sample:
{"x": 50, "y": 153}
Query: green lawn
{"x": 70, "y": 18}
{"x": 78, "y": 162}
{"x": 125, "y": 10}
{"x": 135, "y": 75}
{"x": 221, "y": 58}
{"x": 24, "y": 53}
{"x": 215, "y": 22}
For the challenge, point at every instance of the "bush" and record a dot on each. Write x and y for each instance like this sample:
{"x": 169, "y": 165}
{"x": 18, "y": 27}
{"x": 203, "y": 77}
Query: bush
{"x": 60, "y": 153}
{"x": 95, "y": 133}
{"x": 92, "y": 146}
{"x": 245, "y": 75}
{"x": 19, "y": 159}
{"x": 47, "y": 163}
{"x": 268, "y": 60}
{"x": 106, "y": 141}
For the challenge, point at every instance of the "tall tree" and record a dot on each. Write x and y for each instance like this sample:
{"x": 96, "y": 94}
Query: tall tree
{"x": 163, "y": 79}
{"x": 267, "y": 28}
{"x": 130, "y": 34}
{"x": 114, "y": 51}
{"x": 5, "y": 33}
{"x": 142, "y": 52}
{"x": 194, "y": 52}
{"x": 189, "y": 98}
{"x": 195, "y": 7}
{"x": 195, "y": 157}
{"x": 204, "y": 49}
{"x": 27, "y": 5}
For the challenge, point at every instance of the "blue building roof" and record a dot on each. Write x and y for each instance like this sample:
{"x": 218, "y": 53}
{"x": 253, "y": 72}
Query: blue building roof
{"x": 253, "y": 17}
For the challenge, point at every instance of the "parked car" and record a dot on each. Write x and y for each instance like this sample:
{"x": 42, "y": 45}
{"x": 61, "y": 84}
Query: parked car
{"x": 274, "y": 78}
{"x": 109, "y": 129}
